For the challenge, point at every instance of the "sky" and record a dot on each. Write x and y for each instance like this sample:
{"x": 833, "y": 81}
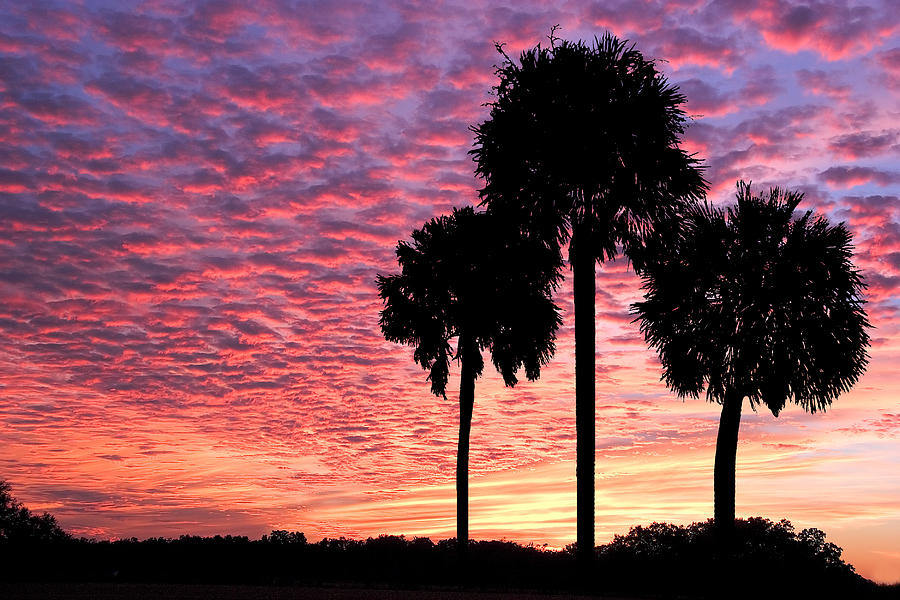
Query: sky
{"x": 196, "y": 198}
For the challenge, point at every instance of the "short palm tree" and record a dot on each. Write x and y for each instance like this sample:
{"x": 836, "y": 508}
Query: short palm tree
{"x": 754, "y": 303}
{"x": 582, "y": 146}
{"x": 470, "y": 277}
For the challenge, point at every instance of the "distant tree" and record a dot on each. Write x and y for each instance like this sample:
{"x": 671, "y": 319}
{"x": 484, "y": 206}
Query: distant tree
{"x": 753, "y": 303}
{"x": 582, "y": 146}
{"x": 282, "y": 536}
{"x": 471, "y": 277}
{"x": 18, "y": 524}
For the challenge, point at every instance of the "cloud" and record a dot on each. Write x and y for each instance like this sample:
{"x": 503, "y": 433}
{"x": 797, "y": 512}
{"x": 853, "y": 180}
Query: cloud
{"x": 888, "y": 60}
{"x": 864, "y": 143}
{"x": 823, "y": 82}
{"x": 850, "y": 176}
{"x": 835, "y": 29}
{"x": 705, "y": 100}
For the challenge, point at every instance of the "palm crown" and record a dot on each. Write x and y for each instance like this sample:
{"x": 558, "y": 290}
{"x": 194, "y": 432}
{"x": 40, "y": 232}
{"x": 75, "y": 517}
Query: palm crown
{"x": 753, "y": 300}
{"x": 580, "y": 133}
{"x": 462, "y": 276}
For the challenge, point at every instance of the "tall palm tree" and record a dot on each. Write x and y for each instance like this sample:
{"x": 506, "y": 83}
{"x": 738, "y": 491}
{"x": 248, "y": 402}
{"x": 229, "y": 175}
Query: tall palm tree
{"x": 754, "y": 303}
{"x": 581, "y": 146}
{"x": 471, "y": 277}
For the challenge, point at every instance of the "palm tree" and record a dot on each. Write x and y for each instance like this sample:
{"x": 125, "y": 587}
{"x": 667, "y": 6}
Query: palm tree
{"x": 753, "y": 303}
{"x": 581, "y": 146}
{"x": 467, "y": 276}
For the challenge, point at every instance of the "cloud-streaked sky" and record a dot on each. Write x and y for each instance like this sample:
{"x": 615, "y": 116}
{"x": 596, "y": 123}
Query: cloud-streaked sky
{"x": 195, "y": 199}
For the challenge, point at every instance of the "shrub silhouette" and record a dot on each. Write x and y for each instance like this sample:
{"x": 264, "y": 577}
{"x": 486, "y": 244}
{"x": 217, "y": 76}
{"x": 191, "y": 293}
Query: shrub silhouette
{"x": 769, "y": 560}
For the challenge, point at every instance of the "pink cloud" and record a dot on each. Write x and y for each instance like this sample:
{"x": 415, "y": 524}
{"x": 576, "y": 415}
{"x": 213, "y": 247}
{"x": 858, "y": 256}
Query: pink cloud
{"x": 685, "y": 46}
{"x": 864, "y": 143}
{"x": 843, "y": 176}
{"x": 824, "y": 83}
{"x": 705, "y": 100}
{"x": 889, "y": 60}
{"x": 832, "y": 28}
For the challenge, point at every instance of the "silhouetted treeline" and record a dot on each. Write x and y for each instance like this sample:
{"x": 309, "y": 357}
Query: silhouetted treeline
{"x": 286, "y": 558}
{"x": 769, "y": 559}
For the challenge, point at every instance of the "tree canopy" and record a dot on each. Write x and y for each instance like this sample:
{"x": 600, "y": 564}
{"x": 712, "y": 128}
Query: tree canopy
{"x": 754, "y": 300}
{"x": 586, "y": 133}
{"x": 469, "y": 271}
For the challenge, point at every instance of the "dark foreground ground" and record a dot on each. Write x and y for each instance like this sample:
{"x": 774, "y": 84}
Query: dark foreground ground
{"x": 137, "y": 591}
{"x": 765, "y": 560}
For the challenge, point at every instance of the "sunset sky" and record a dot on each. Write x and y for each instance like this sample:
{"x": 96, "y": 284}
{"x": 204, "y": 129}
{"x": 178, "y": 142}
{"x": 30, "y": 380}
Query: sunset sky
{"x": 195, "y": 199}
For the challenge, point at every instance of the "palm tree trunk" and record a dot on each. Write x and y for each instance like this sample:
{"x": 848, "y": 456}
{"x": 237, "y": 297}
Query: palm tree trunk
{"x": 585, "y": 288}
{"x": 466, "y": 404}
{"x": 724, "y": 475}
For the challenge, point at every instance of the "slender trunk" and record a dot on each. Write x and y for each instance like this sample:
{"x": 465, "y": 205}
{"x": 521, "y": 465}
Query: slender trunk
{"x": 724, "y": 475}
{"x": 585, "y": 288}
{"x": 466, "y": 404}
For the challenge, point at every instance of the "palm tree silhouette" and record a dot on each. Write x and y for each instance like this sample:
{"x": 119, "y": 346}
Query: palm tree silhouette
{"x": 754, "y": 303}
{"x": 472, "y": 277}
{"x": 581, "y": 146}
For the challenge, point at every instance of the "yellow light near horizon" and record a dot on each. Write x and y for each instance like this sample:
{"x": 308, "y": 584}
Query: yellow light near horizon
{"x": 537, "y": 504}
